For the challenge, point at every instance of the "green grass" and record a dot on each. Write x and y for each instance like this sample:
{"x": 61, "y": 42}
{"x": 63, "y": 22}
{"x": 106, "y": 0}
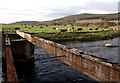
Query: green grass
{"x": 37, "y": 29}
{"x": 57, "y": 36}
{"x": 83, "y": 37}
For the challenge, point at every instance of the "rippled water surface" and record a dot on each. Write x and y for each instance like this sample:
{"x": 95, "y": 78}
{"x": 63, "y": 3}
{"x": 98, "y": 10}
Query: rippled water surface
{"x": 98, "y": 48}
{"x": 45, "y": 68}
{"x": 49, "y": 69}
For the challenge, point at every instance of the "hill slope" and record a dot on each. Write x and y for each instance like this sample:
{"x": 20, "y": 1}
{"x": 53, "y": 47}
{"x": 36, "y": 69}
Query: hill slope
{"x": 73, "y": 18}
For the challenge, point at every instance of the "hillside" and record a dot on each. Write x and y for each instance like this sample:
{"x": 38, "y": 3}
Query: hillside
{"x": 73, "y": 18}
{"x": 27, "y": 22}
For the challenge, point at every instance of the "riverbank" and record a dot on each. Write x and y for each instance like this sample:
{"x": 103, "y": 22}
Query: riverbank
{"x": 97, "y": 49}
{"x": 78, "y": 36}
{"x": 54, "y": 33}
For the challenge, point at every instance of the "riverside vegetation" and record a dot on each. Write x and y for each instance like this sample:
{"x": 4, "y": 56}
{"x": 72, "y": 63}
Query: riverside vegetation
{"x": 66, "y": 33}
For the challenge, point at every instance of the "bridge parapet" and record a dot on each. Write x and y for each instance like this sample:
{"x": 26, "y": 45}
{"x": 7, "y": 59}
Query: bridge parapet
{"x": 11, "y": 70}
{"x": 98, "y": 68}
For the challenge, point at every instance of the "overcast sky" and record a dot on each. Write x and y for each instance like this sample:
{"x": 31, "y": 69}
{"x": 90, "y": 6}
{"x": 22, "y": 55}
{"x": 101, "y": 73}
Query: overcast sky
{"x": 42, "y": 10}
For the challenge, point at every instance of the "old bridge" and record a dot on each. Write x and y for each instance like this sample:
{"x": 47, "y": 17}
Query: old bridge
{"x": 20, "y": 44}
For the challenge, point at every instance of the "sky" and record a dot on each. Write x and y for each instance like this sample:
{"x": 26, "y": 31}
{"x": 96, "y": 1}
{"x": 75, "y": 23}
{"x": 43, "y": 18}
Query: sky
{"x": 43, "y": 10}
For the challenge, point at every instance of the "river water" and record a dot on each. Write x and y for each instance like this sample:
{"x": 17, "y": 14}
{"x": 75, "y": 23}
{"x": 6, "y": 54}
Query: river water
{"x": 0, "y": 53}
{"x": 37, "y": 71}
{"x": 98, "y": 49}
{"x": 49, "y": 69}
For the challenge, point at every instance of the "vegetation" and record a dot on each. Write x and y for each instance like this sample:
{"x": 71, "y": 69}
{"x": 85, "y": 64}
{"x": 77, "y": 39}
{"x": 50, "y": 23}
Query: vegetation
{"x": 79, "y": 36}
{"x": 72, "y": 19}
{"x": 55, "y": 33}
{"x": 81, "y": 27}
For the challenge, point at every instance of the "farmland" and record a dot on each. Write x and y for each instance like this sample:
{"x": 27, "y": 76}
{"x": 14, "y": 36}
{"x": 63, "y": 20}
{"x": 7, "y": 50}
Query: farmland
{"x": 49, "y": 29}
{"x": 56, "y": 33}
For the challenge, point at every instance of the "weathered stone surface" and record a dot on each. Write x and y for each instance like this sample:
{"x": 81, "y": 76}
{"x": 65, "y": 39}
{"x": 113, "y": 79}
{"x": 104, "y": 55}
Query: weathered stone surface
{"x": 96, "y": 67}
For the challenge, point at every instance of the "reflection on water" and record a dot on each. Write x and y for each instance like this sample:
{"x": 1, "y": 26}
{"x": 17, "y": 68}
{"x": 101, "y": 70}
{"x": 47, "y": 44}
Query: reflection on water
{"x": 98, "y": 49}
{"x": 47, "y": 70}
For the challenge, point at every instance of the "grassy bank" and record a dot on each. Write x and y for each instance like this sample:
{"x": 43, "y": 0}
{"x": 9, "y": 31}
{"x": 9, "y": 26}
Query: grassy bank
{"x": 83, "y": 37}
{"x": 51, "y": 33}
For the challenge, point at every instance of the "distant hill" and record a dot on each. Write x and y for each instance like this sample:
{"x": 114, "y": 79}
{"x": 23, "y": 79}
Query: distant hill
{"x": 27, "y": 22}
{"x": 73, "y": 18}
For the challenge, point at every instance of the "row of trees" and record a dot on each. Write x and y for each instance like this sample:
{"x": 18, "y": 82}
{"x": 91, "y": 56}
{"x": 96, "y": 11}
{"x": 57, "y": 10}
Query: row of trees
{"x": 106, "y": 22}
{"x": 99, "y": 24}
{"x": 102, "y": 18}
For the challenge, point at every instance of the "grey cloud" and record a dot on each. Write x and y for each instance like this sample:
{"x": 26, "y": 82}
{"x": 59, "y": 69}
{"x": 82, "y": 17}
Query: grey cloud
{"x": 93, "y": 5}
{"x": 4, "y": 9}
{"x": 65, "y": 11}
{"x": 18, "y": 12}
{"x": 27, "y": 10}
{"x": 119, "y": 6}
{"x": 57, "y": 12}
{"x": 22, "y": 14}
{"x": 102, "y": 6}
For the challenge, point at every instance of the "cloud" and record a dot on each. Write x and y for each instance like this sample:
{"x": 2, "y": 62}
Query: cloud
{"x": 111, "y": 6}
{"x": 119, "y": 6}
{"x": 97, "y": 7}
{"x": 41, "y": 10}
{"x": 64, "y": 11}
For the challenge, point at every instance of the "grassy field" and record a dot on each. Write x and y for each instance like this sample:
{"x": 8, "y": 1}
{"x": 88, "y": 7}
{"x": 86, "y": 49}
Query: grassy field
{"x": 54, "y": 33}
{"x": 37, "y": 29}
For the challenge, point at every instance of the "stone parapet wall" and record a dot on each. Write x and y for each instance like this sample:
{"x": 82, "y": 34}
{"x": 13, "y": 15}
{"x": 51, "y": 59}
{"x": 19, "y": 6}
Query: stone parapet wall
{"x": 95, "y": 67}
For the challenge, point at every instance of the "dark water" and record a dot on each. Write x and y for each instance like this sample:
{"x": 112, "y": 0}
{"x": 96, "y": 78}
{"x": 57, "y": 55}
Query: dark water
{"x": 0, "y": 54}
{"x": 97, "y": 49}
{"x": 49, "y": 69}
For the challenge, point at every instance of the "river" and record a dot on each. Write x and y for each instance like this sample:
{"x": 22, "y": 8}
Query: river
{"x": 0, "y": 54}
{"x": 98, "y": 49}
{"x": 49, "y": 69}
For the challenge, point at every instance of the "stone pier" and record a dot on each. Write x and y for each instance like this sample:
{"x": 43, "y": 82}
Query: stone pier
{"x": 21, "y": 48}
{"x": 15, "y": 48}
